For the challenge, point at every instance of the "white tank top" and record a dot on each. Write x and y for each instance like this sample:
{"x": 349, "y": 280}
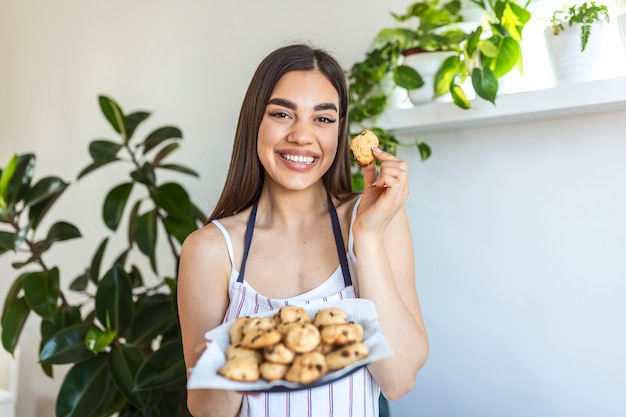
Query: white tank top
{"x": 355, "y": 395}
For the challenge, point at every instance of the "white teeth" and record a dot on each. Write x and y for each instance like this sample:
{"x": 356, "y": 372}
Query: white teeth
{"x": 299, "y": 159}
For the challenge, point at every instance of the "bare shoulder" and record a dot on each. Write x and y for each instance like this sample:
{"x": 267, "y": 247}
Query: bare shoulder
{"x": 345, "y": 207}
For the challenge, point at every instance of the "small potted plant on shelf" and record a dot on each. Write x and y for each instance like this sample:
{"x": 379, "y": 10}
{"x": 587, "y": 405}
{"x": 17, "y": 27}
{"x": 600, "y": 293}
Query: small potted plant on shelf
{"x": 573, "y": 39}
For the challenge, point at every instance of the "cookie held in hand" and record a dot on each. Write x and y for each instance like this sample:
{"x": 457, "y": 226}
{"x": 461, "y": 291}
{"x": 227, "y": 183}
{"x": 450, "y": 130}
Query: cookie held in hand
{"x": 361, "y": 147}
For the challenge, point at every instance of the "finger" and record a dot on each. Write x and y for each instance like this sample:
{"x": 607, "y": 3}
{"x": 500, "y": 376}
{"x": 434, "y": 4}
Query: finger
{"x": 369, "y": 173}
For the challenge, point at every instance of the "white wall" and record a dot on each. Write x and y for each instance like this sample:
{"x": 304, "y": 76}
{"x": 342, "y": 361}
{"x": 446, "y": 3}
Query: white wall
{"x": 519, "y": 236}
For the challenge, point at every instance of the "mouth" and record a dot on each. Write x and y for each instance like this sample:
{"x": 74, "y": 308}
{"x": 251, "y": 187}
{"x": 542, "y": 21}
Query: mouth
{"x": 298, "y": 159}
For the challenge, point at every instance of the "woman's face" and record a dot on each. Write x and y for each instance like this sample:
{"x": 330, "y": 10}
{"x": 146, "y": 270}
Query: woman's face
{"x": 298, "y": 135}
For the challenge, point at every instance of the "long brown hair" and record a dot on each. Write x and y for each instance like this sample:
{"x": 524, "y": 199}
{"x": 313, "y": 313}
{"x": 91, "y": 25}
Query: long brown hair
{"x": 245, "y": 174}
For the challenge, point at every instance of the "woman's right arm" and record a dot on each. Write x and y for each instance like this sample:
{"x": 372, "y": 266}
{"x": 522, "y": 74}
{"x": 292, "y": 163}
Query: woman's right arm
{"x": 203, "y": 275}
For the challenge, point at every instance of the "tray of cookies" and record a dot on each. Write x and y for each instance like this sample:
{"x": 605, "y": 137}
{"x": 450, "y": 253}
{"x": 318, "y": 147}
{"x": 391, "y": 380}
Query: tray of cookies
{"x": 294, "y": 347}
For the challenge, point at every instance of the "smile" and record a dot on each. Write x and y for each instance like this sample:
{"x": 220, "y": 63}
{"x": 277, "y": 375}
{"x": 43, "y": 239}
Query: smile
{"x": 299, "y": 159}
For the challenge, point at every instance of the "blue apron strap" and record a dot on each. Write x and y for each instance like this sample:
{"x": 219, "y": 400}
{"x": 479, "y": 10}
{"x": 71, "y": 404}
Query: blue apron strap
{"x": 248, "y": 240}
{"x": 341, "y": 251}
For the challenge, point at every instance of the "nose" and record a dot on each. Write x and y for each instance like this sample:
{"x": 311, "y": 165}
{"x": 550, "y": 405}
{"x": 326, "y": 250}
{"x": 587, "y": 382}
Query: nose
{"x": 301, "y": 133}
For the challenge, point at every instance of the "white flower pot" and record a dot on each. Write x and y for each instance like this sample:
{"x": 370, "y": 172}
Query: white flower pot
{"x": 570, "y": 64}
{"x": 427, "y": 64}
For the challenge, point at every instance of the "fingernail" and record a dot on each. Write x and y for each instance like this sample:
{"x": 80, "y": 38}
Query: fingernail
{"x": 376, "y": 149}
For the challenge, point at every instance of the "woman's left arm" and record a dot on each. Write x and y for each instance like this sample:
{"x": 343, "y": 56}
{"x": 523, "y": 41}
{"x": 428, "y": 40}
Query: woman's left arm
{"x": 386, "y": 273}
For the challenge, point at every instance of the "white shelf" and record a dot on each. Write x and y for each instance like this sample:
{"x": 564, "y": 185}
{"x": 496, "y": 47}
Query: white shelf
{"x": 571, "y": 100}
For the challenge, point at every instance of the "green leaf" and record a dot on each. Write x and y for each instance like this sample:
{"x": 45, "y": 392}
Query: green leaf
{"x": 163, "y": 368}
{"x": 159, "y": 135}
{"x": 92, "y": 167}
{"x": 173, "y": 198}
{"x": 103, "y": 151}
{"x": 485, "y": 84}
{"x": 133, "y": 120}
{"x": 151, "y": 321}
{"x": 144, "y": 175}
{"x": 472, "y": 41}
{"x": 7, "y": 241}
{"x": 145, "y": 233}
{"x": 458, "y": 97}
{"x": 114, "y": 300}
{"x": 508, "y": 56}
{"x": 114, "y": 204}
{"x": 41, "y": 290}
{"x": 67, "y": 346}
{"x": 61, "y": 231}
{"x": 180, "y": 229}
{"x": 94, "y": 269}
{"x": 407, "y": 77}
{"x": 5, "y": 178}
{"x": 97, "y": 339}
{"x": 13, "y": 322}
{"x": 124, "y": 362}
{"x": 114, "y": 115}
{"x": 445, "y": 75}
{"x": 20, "y": 181}
{"x": 80, "y": 282}
{"x": 164, "y": 152}
{"x": 84, "y": 388}
{"x": 14, "y": 292}
{"x": 179, "y": 168}
{"x": 423, "y": 149}
{"x": 42, "y": 197}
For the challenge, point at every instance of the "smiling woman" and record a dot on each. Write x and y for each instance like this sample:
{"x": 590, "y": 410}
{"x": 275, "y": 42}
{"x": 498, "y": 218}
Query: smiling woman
{"x": 278, "y": 237}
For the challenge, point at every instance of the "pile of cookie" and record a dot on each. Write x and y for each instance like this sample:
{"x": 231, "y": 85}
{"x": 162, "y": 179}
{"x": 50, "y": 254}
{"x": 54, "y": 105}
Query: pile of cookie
{"x": 291, "y": 346}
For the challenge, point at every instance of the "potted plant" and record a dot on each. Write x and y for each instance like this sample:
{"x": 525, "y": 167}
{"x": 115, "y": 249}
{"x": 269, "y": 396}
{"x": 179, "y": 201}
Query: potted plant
{"x": 491, "y": 51}
{"x": 572, "y": 49}
{"x": 118, "y": 331}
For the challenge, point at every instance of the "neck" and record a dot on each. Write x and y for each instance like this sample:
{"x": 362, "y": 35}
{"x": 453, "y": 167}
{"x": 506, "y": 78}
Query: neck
{"x": 292, "y": 207}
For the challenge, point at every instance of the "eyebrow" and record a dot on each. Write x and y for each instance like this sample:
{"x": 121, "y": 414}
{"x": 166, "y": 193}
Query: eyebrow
{"x": 292, "y": 106}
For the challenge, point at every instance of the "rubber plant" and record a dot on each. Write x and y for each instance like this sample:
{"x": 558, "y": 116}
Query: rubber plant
{"x": 121, "y": 338}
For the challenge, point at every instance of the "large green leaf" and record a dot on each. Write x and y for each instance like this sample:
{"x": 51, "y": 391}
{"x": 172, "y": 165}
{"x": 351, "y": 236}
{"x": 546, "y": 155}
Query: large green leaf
{"x": 114, "y": 204}
{"x": 20, "y": 181}
{"x": 145, "y": 233}
{"x": 103, "y": 151}
{"x": 42, "y": 197}
{"x": 124, "y": 363}
{"x": 485, "y": 84}
{"x": 508, "y": 56}
{"x": 41, "y": 290}
{"x": 173, "y": 198}
{"x": 114, "y": 300}
{"x": 84, "y": 388}
{"x": 62, "y": 231}
{"x": 67, "y": 346}
{"x": 114, "y": 115}
{"x": 407, "y": 77}
{"x": 159, "y": 135}
{"x": 13, "y": 322}
{"x": 180, "y": 229}
{"x": 133, "y": 120}
{"x": 151, "y": 321}
{"x": 163, "y": 368}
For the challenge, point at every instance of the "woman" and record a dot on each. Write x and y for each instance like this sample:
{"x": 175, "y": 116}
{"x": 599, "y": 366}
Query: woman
{"x": 289, "y": 183}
